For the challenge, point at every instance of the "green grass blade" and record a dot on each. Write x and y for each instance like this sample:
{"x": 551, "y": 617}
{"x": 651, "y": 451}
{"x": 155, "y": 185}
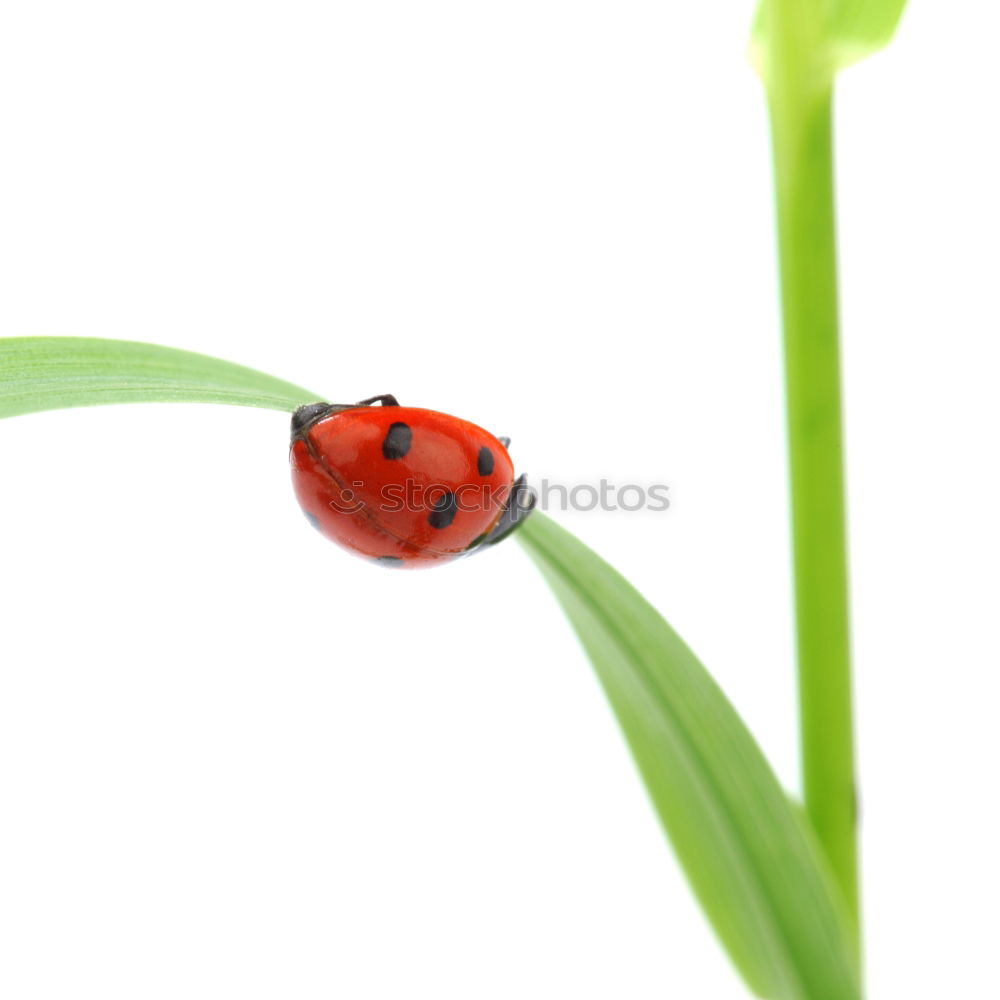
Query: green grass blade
{"x": 798, "y": 46}
{"x": 838, "y": 33}
{"x": 749, "y": 856}
{"x": 49, "y": 373}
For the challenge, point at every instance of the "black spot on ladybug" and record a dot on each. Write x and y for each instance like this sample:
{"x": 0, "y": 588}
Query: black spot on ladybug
{"x": 388, "y": 560}
{"x": 397, "y": 441}
{"x": 444, "y": 511}
{"x": 485, "y": 461}
{"x": 312, "y": 519}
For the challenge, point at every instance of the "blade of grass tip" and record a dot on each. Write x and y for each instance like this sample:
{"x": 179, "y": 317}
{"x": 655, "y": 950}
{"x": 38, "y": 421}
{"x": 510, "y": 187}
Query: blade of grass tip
{"x": 46, "y": 373}
{"x": 858, "y": 28}
{"x": 751, "y": 860}
{"x": 851, "y": 30}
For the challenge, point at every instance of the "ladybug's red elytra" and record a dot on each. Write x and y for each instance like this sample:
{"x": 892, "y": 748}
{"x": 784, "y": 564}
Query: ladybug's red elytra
{"x": 404, "y": 486}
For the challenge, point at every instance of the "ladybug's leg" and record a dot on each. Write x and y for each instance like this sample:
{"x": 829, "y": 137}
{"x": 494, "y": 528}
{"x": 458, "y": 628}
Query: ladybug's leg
{"x": 505, "y": 441}
{"x": 520, "y": 504}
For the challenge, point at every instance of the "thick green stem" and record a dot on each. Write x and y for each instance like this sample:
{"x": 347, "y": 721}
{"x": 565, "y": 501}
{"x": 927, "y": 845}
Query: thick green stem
{"x": 800, "y": 91}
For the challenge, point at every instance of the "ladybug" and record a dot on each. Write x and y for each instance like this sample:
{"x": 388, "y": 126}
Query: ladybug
{"x": 403, "y": 486}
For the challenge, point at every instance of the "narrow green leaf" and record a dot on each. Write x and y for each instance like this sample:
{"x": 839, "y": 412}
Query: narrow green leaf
{"x": 49, "y": 373}
{"x": 750, "y": 858}
{"x": 842, "y": 32}
{"x": 748, "y": 855}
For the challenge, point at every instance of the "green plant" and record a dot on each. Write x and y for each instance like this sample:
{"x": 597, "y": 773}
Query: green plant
{"x": 798, "y": 49}
{"x": 779, "y": 886}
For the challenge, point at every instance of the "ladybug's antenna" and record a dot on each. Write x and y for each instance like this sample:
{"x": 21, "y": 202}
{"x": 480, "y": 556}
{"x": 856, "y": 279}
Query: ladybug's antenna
{"x": 384, "y": 400}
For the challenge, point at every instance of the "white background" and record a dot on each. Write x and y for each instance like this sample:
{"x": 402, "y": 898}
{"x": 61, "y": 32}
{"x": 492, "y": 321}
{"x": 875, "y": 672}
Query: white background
{"x": 234, "y": 762}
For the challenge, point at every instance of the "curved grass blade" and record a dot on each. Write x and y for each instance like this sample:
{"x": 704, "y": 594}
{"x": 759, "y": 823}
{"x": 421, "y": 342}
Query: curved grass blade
{"x": 49, "y": 373}
{"x": 749, "y": 856}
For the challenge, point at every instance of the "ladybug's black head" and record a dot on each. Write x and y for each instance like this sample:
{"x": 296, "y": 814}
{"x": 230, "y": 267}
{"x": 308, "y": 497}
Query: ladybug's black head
{"x": 312, "y": 413}
{"x": 305, "y": 416}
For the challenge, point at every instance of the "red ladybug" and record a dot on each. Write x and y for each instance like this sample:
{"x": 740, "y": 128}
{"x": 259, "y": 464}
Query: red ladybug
{"x": 403, "y": 486}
